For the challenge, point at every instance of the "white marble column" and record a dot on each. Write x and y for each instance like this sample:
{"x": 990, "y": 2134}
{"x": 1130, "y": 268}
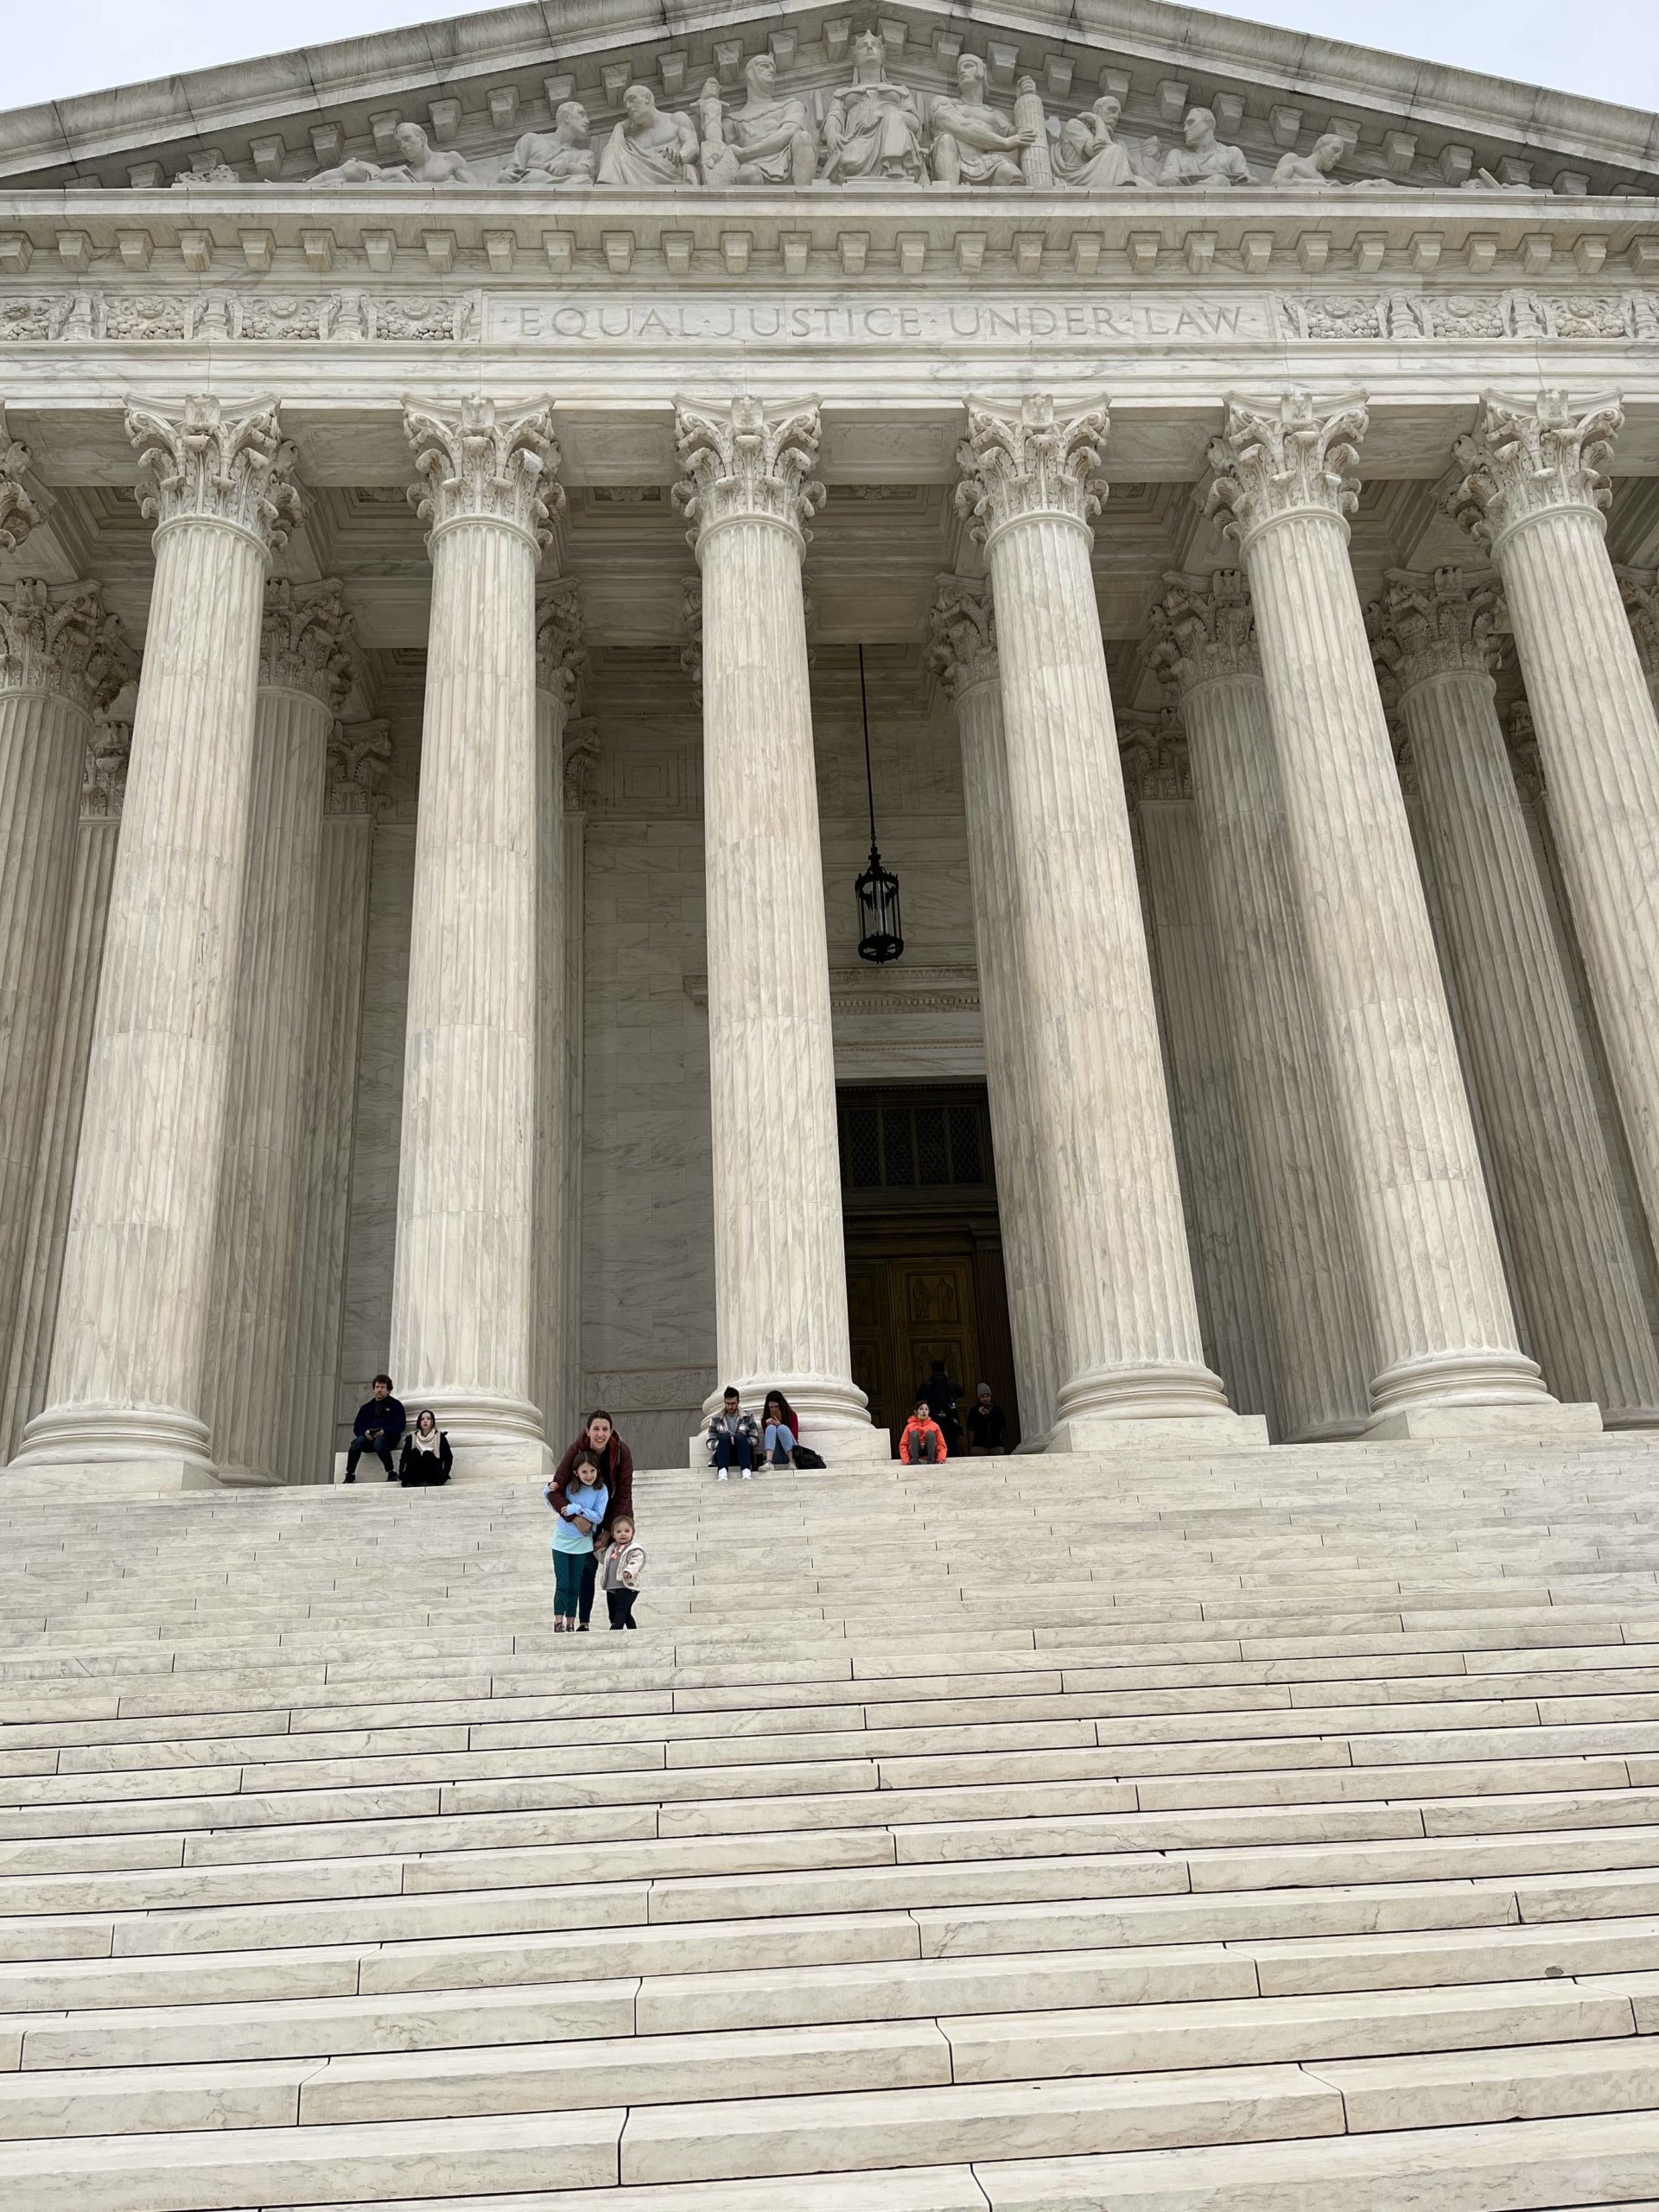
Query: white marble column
{"x": 1202, "y": 642}
{"x": 581, "y": 755}
{"x": 61, "y": 660}
{"x": 780, "y": 1283}
{"x": 1126, "y": 1317}
{"x": 1575, "y": 1279}
{"x": 22, "y": 1386}
{"x": 1198, "y": 1059}
{"x": 125, "y": 1382}
{"x": 1449, "y": 1361}
{"x": 559, "y": 665}
{"x": 1531, "y": 487}
{"x": 963, "y": 651}
{"x": 305, "y": 672}
{"x": 358, "y": 753}
{"x": 464, "y": 1280}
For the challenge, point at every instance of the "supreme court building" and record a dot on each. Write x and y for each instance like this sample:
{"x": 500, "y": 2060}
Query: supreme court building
{"x": 446, "y": 480}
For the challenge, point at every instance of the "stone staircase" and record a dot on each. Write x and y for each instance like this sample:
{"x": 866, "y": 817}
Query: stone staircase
{"x": 1273, "y": 1832}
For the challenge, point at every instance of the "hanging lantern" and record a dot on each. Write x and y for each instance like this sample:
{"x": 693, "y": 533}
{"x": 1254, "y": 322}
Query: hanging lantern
{"x": 880, "y": 930}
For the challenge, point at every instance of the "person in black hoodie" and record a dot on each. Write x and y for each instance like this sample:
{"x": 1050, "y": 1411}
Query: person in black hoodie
{"x": 379, "y": 1428}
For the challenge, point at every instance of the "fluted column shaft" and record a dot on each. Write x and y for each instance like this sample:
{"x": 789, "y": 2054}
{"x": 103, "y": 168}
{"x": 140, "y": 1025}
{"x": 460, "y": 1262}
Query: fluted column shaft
{"x": 64, "y": 1091}
{"x": 1123, "y": 1304}
{"x": 1444, "y": 1332}
{"x": 250, "y": 1365}
{"x": 1204, "y": 644}
{"x": 464, "y": 1283}
{"x": 780, "y": 1287}
{"x": 126, "y": 1375}
{"x": 965, "y": 652}
{"x": 57, "y": 666}
{"x": 333, "y": 1031}
{"x": 1575, "y": 1278}
{"x": 1533, "y": 492}
{"x": 1221, "y": 1231}
{"x": 558, "y": 657}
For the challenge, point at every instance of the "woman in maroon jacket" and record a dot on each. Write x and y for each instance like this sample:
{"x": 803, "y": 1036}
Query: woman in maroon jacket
{"x": 616, "y": 1462}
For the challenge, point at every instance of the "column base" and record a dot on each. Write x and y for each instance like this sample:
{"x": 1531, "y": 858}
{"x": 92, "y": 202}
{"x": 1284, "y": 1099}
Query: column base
{"x": 525, "y": 1460}
{"x": 1149, "y": 1434}
{"x": 139, "y": 1448}
{"x": 1543, "y": 1420}
{"x": 158, "y": 1477}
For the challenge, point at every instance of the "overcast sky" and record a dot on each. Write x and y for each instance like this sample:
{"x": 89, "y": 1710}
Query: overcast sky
{"x": 1608, "y": 48}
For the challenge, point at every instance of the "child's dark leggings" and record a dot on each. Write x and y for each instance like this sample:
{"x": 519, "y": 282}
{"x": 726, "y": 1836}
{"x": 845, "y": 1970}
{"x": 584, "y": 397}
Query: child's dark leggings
{"x": 567, "y": 1582}
{"x": 622, "y": 1608}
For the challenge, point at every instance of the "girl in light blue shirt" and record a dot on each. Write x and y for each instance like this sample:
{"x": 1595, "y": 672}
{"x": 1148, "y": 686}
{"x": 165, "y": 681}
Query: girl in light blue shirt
{"x": 578, "y": 1510}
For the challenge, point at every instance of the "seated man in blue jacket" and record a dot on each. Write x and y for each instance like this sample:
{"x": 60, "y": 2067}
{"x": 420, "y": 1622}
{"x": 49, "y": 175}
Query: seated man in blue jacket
{"x": 379, "y": 1428}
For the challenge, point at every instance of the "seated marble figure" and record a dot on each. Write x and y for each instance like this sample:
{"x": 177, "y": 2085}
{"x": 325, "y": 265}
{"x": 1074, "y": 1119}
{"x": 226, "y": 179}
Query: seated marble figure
{"x": 872, "y": 129}
{"x": 648, "y": 148}
{"x": 555, "y": 160}
{"x": 422, "y": 163}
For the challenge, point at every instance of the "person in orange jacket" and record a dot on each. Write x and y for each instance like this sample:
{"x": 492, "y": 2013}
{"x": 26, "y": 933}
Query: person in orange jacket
{"x": 922, "y": 1442}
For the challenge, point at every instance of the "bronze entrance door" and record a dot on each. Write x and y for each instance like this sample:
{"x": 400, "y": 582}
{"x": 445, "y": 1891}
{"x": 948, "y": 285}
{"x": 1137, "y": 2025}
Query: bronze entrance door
{"x": 925, "y": 1277}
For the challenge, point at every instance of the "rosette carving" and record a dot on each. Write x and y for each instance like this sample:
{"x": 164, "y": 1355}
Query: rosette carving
{"x": 18, "y": 512}
{"x": 59, "y": 639}
{"x": 747, "y": 465}
{"x": 211, "y": 466}
{"x": 1030, "y": 463}
{"x": 1284, "y": 458}
{"x": 1203, "y": 627}
{"x": 308, "y": 641}
{"x": 1431, "y": 623}
{"x": 962, "y": 631}
{"x": 480, "y": 465}
{"x": 1523, "y": 461}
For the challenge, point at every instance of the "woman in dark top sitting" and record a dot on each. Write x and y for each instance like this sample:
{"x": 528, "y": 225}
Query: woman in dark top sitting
{"x": 427, "y": 1459}
{"x": 616, "y": 1469}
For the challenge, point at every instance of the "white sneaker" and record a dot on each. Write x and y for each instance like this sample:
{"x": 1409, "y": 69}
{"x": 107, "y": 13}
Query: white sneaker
{"x": 747, "y": 1476}
{"x": 722, "y": 1476}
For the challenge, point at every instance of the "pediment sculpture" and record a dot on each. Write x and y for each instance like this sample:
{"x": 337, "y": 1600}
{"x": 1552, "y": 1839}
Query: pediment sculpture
{"x": 870, "y": 133}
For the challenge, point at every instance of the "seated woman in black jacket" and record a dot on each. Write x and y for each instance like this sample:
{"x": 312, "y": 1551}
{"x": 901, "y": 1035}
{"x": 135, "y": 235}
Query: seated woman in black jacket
{"x": 427, "y": 1456}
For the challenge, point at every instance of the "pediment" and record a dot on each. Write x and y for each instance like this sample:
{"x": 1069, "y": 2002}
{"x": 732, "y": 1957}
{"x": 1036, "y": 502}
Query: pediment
{"x": 474, "y": 87}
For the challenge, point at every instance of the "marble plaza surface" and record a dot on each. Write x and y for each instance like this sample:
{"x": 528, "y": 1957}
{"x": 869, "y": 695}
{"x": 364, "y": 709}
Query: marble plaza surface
{"x": 1261, "y": 1830}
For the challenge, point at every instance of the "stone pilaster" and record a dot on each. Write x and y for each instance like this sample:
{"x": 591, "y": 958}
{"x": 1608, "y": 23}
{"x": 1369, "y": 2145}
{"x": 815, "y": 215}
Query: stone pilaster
{"x": 1443, "y": 1331}
{"x": 780, "y": 1289}
{"x": 1530, "y": 485}
{"x": 1639, "y": 589}
{"x": 560, "y": 664}
{"x": 1203, "y": 645}
{"x": 61, "y": 661}
{"x": 305, "y": 672}
{"x": 1575, "y": 1279}
{"x": 463, "y": 1287}
{"x": 1204, "y": 1115}
{"x": 963, "y": 651}
{"x": 125, "y": 1382}
{"x": 358, "y": 753}
{"x": 581, "y": 760}
{"x": 1125, "y": 1313}
{"x": 103, "y": 789}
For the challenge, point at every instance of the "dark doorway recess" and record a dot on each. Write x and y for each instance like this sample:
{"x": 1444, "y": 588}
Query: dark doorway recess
{"x": 924, "y": 1278}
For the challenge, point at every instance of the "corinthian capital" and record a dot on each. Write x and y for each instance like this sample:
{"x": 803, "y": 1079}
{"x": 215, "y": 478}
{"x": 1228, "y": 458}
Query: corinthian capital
{"x": 1030, "y": 463}
{"x": 18, "y": 512}
{"x": 206, "y": 465}
{"x": 58, "y": 638}
{"x": 477, "y": 466}
{"x": 1639, "y": 589}
{"x": 962, "y": 634}
{"x": 1284, "y": 457}
{"x": 104, "y": 781}
{"x": 1153, "y": 749}
{"x": 746, "y": 465}
{"x": 1202, "y": 628}
{"x": 1523, "y": 461}
{"x": 691, "y": 651}
{"x": 560, "y": 663}
{"x": 358, "y": 753}
{"x": 1432, "y": 623}
{"x": 308, "y": 641}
